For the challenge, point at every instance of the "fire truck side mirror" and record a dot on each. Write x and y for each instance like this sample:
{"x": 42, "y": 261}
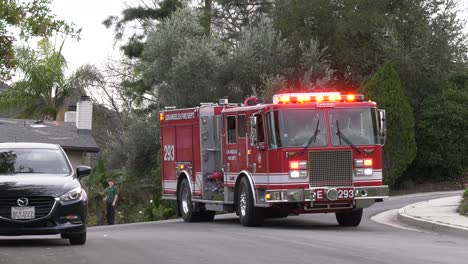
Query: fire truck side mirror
{"x": 253, "y": 131}
{"x": 382, "y": 126}
{"x": 253, "y": 122}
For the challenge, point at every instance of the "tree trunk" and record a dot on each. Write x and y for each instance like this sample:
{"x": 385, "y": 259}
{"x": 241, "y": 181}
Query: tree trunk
{"x": 208, "y": 9}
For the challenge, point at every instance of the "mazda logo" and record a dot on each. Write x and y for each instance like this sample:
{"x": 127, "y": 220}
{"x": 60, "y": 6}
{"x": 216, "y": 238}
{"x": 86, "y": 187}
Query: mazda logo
{"x": 23, "y": 201}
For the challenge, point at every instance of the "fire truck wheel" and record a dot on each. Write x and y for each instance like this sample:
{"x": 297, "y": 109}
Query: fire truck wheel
{"x": 249, "y": 214}
{"x": 185, "y": 203}
{"x": 349, "y": 218}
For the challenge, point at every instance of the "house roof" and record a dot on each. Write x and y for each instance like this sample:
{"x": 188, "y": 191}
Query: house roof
{"x": 55, "y": 132}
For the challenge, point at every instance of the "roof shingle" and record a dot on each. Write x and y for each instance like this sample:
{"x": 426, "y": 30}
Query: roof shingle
{"x": 55, "y": 132}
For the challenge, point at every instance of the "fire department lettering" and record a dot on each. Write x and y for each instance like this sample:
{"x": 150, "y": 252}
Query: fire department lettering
{"x": 169, "y": 152}
{"x": 180, "y": 116}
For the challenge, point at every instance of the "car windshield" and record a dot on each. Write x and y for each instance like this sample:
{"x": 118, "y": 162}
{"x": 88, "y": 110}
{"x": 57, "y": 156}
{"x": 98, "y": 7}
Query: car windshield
{"x": 359, "y": 125}
{"x": 16, "y": 161}
{"x": 296, "y": 128}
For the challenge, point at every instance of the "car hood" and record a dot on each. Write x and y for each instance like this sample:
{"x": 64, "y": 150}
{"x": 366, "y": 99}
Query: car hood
{"x": 36, "y": 185}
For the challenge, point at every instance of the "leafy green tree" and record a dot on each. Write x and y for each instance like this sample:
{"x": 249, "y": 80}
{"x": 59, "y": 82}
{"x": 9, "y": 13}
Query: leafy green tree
{"x": 29, "y": 18}
{"x": 264, "y": 63}
{"x": 144, "y": 16}
{"x": 423, "y": 39}
{"x": 400, "y": 149}
{"x": 442, "y": 138}
{"x": 261, "y": 53}
{"x": 228, "y": 18}
{"x": 43, "y": 87}
{"x": 180, "y": 61}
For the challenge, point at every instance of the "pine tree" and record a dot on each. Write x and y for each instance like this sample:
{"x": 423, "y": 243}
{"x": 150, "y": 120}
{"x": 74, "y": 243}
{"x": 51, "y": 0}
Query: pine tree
{"x": 400, "y": 149}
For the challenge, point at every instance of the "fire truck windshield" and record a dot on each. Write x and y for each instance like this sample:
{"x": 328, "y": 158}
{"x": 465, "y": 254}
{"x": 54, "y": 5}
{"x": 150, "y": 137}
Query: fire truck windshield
{"x": 359, "y": 125}
{"x": 295, "y": 127}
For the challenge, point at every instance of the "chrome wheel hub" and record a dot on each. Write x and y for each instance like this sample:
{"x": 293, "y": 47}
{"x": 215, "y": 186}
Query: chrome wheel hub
{"x": 185, "y": 202}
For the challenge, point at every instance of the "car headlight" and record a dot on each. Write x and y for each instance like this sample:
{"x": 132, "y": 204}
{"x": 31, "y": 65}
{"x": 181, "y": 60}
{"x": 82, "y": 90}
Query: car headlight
{"x": 72, "y": 195}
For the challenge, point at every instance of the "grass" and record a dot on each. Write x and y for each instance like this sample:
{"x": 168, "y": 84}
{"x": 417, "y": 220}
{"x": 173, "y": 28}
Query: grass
{"x": 463, "y": 208}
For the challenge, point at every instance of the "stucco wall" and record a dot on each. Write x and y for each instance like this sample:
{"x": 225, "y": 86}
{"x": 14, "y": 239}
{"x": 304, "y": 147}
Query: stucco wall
{"x": 78, "y": 158}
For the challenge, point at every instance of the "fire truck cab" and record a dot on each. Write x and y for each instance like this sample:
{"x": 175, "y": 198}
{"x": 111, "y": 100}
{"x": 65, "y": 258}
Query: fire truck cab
{"x": 304, "y": 153}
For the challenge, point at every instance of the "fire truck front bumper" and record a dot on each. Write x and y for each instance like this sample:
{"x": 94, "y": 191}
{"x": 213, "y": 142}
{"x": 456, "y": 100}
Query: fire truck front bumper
{"x": 360, "y": 197}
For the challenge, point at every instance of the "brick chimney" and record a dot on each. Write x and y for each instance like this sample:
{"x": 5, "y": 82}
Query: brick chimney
{"x": 84, "y": 114}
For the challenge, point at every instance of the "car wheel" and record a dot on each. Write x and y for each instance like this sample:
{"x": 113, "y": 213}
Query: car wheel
{"x": 349, "y": 218}
{"x": 249, "y": 214}
{"x": 79, "y": 239}
{"x": 185, "y": 203}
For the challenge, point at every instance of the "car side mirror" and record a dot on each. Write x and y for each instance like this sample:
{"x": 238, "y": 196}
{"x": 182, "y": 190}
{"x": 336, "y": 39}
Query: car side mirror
{"x": 82, "y": 171}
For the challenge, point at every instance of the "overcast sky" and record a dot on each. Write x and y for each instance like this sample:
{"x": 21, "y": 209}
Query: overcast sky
{"x": 97, "y": 42}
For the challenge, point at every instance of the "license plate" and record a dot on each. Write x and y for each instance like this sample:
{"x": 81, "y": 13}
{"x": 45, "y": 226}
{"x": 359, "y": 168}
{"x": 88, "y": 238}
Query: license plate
{"x": 18, "y": 213}
{"x": 343, "y": 194}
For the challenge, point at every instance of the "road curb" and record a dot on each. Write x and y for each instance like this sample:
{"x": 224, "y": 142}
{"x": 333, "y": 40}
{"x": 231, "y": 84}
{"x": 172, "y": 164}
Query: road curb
{"x": 427, "y": 224}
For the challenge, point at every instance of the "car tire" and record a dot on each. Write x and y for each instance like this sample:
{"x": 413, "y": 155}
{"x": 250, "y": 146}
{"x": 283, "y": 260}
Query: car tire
{"x": 249, "y": 215}
{"x": 79, "y": 239}
{"x": 349, "y": 218}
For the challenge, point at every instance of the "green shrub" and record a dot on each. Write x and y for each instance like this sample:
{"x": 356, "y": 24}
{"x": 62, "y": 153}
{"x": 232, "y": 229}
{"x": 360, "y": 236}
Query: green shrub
{"x": 463, "y": 208}
{"x": 400, "y": 149}
{"x": 442, "y": 138}
{"x": 92, "y": 220}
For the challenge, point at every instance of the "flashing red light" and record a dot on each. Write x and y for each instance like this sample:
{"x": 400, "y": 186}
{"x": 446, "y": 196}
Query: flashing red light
{"x": 294, "y": 165}
{"x": 303, "y": 98}
{"x": 284, "y": 99}
{"x": 161, "y": 116}
{"x": 292, "y": 98}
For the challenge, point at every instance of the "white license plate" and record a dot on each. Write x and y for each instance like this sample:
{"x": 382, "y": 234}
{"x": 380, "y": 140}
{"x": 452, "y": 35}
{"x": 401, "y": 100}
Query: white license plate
{"x": 23, "y": 212}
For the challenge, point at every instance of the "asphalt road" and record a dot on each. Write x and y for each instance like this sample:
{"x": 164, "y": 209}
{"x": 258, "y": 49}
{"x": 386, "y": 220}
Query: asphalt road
{"x": 296, "y": 239}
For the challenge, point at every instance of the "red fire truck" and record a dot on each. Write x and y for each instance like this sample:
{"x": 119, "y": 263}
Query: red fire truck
{"x": 304, "y": 153}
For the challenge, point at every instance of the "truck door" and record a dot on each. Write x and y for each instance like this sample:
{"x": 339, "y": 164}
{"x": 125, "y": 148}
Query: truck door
{"x": 230, "y": 150}
{"x": 242, "y": 148}
{"x": 258, "y": 162}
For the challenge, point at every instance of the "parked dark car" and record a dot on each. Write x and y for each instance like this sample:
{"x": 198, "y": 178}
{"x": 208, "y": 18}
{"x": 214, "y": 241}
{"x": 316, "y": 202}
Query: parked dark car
{"x": 40, "y": 193}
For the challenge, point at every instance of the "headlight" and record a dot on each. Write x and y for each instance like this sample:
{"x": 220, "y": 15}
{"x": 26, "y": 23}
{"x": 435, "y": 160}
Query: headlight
{"x": 295, "y": 174}
{"x": 72, "y": 195}
{"x": 363, "y": 172}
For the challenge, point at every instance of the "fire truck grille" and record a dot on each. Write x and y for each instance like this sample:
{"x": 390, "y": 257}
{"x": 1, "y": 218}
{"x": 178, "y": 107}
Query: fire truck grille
{"x": 331, "y": 168}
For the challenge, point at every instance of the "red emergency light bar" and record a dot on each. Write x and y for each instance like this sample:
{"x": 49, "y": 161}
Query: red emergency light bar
{"x": 300, "y": 98}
